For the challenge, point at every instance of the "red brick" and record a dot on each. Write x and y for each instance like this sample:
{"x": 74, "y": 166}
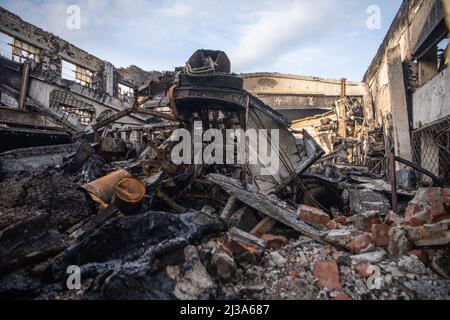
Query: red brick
{"x": 341, "y": 219}
{"x": 410, "y": 211}
{"x": 363, "y": 269}
{"x": 360, "y": 243}
{"x": 380, "y": 234}
{"x": 428, "y": 206}
{"x": 294, "y": 273}
{"x": 341, "y": 296}
{"x": 313, "y": 216}
{"x": 328, "y": 274}
{"x": 275, "y": 242}
{"x": 445, "y": 196}
{"x": 338, "y": 254}
{"x": 332, "y": 225}
{"x": 422, "y": 255}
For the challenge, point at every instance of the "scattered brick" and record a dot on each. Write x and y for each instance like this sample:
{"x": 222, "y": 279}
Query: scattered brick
{"x": 275, "y": 242}
{"x": 363, "y": 269}
{"x": 313, "y": 216}
{"x": 422, "y": 255}
{"x": 332, "y": 225}
{"x": 328, "y": 274}
{"x": 361, "y": 242}
{"x": 380, "y": 234}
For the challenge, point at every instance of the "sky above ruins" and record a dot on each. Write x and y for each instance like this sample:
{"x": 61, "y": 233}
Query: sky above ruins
{"x": 325, "y": 38}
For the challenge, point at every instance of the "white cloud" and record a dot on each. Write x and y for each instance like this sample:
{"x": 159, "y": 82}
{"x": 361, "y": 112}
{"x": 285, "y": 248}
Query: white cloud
{"x": 177, "y": 10}
{"x": 279, "y": 29}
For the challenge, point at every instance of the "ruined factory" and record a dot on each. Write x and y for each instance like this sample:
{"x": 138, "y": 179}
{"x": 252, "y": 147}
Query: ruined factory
{"x": 121, "y": 183}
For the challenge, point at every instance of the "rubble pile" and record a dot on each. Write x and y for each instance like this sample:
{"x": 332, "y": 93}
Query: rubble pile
{"x": 137, "y": 226}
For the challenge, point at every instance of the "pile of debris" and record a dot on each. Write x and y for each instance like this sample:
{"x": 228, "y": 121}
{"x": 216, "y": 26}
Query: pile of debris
{"x": 119, "y": 220}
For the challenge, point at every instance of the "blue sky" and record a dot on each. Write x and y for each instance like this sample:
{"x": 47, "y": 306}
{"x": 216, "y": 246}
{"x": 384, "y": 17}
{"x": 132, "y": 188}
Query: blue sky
{"x": 324, "y": 38}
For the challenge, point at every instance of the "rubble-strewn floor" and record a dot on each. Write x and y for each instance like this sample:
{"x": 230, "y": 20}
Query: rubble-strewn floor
{"x": 288, "y": 273}
{"x": 158, "y": 255}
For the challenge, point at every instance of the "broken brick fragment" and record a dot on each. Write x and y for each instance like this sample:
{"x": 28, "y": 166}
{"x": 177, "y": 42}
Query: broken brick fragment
{"x": 445, "y": 196}
{"x": 364, "y": 269}
{"x": 380, "y": 234}
{"x": 361, "y": 242}
{"x": 294, "y": 273}
{"x": 422, "y": 255}
{"x": 428, "y": 206}
{"x": 313, "y": 216}
{"x": 327, "y": 273}
{"x": 341, "y": 219}
{"x": 275, "y": 242}
{"x": 332, "y": 225}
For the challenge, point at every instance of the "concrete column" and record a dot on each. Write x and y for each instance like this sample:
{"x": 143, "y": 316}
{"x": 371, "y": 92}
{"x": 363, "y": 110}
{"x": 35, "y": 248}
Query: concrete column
{"x": 109, "y": 78}
{"x": 397, "y": 90}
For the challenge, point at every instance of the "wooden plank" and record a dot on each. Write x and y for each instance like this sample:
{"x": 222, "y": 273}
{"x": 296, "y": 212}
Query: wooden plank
{"x": 263, "y": 227}
{"x": 268, "y": 205}
{"x": 247, "y": 241}
{"x": 231, "y": 206}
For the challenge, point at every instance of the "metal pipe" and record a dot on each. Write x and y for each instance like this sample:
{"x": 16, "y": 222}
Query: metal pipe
{"x": 439, "y": 182}
{"x": 393, "y": 180}
{"x": 24, "y": 84}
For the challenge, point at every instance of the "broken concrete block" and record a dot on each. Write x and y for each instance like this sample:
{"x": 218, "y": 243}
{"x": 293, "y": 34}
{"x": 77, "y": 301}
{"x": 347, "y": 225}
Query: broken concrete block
{"x": 398, "y": 241}
{"x": 313, "y": 216}
{"x": 275, "y": 242}
{"x": 371, "y": 257}
{"x": 327, "y": 273}
{"x": 224, "y": 264}
{"x": 411, "y": 264}
{"x": 380, "y": 234}
{"x": 430, "y": 234}
{"x": 340, "y": 237}
{"x": 278, "y": 259}
{"x": 361, "y": 243}
{"x": 194, "y": 282}
{"x": 428, "y": 206}
{"x": 367, "y": 201}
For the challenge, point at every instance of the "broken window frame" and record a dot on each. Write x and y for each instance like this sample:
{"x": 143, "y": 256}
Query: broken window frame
{"x": 23, "y": 51}
{"x": 427, "y": 55}
{"x": 86, "y": 116}
{"x": 77, "y": 73}
{"x": 124, "y": 91}
{"x": 19, "y": 50}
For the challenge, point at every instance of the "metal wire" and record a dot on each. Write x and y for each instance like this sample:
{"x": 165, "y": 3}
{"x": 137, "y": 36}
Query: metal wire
{"x": 431, "y": 150}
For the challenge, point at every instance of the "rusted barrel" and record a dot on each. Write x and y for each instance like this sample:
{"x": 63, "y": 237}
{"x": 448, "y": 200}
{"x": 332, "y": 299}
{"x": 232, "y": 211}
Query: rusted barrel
{"x": 128, "y": 195}
{"x": 104, "y": 187}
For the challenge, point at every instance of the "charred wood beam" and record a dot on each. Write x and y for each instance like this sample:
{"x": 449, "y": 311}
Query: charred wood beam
{"x": 171, "y": 202}
{"x": 268, "y": 205}
{"x": 247, "y": 241}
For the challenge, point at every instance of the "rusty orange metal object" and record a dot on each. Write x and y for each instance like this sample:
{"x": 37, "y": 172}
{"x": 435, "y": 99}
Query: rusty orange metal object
{"x": 104, "y": 187}
{"x": 128, "y": 194}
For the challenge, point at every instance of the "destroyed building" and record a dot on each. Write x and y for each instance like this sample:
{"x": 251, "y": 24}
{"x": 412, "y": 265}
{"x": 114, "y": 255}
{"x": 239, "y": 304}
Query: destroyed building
{"x": 362, "y": 184}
